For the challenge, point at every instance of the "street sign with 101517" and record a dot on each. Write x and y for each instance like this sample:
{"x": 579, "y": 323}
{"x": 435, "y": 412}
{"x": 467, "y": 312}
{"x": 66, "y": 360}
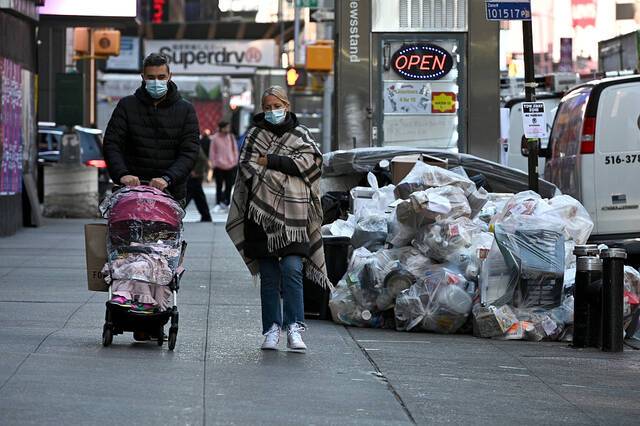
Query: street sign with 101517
{"x": 508, "y": 10}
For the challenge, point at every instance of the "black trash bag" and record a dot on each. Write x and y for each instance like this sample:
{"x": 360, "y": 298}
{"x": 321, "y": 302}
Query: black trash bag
{"x": 335, "y": 205}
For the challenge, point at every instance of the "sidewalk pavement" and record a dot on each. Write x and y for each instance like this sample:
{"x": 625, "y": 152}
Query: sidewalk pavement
{"x": 54, "y": 370}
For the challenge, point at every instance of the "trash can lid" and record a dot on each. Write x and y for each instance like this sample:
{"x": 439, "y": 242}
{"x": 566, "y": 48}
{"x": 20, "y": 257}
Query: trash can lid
{"x": 586, "y": 250}
{"x": 588, "y": 263}
{"x": 335, "y": 239}
{"x": 614, "y": 253}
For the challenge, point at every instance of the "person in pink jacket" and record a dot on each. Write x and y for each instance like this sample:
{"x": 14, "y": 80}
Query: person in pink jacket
{"x": 223, "y": 155}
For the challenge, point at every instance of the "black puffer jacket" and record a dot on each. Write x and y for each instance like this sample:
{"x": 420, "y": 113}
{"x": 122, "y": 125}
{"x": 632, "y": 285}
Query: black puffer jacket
{"x": 153, "y": 141}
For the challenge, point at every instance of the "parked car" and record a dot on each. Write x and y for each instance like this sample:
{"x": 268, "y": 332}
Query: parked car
{"x": 49, "y": 140}
{"x": 594, "y": 156}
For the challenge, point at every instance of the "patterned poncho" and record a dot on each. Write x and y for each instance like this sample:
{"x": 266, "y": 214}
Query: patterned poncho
{"x": 288, "y": 208}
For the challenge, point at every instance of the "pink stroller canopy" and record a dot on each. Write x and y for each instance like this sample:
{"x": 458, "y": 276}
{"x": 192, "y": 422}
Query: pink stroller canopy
{"x": 145, "y": 203}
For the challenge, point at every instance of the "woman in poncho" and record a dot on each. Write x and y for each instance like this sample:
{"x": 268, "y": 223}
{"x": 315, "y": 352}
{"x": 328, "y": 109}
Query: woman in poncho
{"x": 276, "y": 214}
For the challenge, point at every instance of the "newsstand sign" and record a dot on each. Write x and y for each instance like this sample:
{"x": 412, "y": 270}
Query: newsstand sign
{"x": 422, "y": 62}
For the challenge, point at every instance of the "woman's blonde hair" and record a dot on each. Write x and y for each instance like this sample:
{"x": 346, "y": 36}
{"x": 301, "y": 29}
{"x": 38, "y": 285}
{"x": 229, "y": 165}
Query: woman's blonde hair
{"x": 277, "y": 91}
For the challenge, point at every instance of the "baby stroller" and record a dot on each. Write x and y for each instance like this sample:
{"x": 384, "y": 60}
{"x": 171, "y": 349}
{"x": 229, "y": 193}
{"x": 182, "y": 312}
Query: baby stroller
{"x": 144, "y": 263}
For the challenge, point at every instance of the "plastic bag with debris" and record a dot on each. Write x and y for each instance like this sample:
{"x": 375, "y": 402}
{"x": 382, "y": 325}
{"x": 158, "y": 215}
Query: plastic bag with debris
{"x": 404, "y": 228}
{"x": 526, "y": 203}
{"x": 445, "y": 237}
{"x": 494, "y": 205}
{"x": 370, "y": 232}
{"x": 345, "y": 310}
{"x": 390, "y": 271}
{"x": 435, "y": 203}
{"x": 424, "y": 176}
{"x": 437, "y": 302}
{"x": 568, "y": 210}
{"x": 469, "y": 260}
{"x": 534, "y": 250}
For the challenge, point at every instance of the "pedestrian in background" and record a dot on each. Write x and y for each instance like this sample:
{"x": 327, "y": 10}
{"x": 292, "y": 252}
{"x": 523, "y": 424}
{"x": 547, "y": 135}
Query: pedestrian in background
{"x": 153, "y": 134}
{"x": 223, "y": 155}
{"x": 205, "y": 144}
{"x": 195, "y": 191}
{"x": 276, "y": 215}
{"x": 205, "y": 141}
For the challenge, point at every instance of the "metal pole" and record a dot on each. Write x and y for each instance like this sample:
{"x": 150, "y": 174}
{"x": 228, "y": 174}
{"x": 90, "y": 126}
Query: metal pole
{"x": 530, "y": 93}
{"x": 296, "y": 36}
{"x": 327, "y": 113}
{"x": 613, "y": 299}
{"x": 281, "y": 21}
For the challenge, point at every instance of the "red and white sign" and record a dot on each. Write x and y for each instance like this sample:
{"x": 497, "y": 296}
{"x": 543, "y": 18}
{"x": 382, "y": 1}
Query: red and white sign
{"x": 583, "y": 13}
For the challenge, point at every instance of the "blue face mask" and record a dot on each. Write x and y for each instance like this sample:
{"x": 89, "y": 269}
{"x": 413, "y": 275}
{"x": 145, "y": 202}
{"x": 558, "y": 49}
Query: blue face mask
{"x": 156, "y": 88}
{"x": 276, "y": 116}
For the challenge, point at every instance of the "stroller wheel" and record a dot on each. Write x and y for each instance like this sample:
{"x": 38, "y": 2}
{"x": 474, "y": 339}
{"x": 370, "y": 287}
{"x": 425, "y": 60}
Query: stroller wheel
{"x": 173, "y": 335}
{"x": 107, "y": 336}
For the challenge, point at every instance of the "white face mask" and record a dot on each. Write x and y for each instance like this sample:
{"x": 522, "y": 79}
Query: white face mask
{"x": 275, "y": 116}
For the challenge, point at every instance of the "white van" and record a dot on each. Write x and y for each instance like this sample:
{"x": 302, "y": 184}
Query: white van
{"x": 594, "y": 156}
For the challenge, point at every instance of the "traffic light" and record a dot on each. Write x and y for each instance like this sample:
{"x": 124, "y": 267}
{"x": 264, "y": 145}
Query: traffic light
{"x": 297, "y": 77}
{"x": 292, "y": 76}
{"x": 106, "y": 42}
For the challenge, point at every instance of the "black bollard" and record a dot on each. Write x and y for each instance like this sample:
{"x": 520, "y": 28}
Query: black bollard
{"x": 585, "y": 319}
{"x": 594, "y": 295}
{"x": 612, "y": 299}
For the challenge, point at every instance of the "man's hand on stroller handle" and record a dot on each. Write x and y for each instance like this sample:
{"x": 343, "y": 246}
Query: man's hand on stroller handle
{"x": 130, "y": 180}
{"x": 159, "y": 183}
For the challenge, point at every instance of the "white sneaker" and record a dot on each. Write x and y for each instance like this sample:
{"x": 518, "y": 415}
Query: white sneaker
{"x": 294, "y": 339}
{"x": 218, "y": 208}
{"x": 271, "y": 338}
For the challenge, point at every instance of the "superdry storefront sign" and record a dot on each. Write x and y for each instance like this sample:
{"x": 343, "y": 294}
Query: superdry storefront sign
{"x": 422, "y": 62}
{"x": 215, "y": 56}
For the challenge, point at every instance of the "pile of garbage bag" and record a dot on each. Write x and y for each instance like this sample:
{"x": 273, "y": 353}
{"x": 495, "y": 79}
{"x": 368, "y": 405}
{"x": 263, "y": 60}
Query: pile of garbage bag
{"x": 437, "y": 253}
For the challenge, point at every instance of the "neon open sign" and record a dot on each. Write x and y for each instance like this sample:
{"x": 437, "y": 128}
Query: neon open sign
{"x": 422, "y": 62}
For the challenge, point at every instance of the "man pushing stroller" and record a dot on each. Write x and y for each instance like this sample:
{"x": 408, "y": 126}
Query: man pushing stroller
{"x": 153, "y": 134}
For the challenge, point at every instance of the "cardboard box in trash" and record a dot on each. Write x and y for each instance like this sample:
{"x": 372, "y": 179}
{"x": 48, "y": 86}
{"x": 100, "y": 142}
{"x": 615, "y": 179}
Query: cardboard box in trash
{"x": 489, "y": 321}
{"x": 95, "y": 241}
{"x": 402, "y": 164}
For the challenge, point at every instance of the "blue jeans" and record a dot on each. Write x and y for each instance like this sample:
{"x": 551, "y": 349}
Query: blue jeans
{"x": 281, "y": 278}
